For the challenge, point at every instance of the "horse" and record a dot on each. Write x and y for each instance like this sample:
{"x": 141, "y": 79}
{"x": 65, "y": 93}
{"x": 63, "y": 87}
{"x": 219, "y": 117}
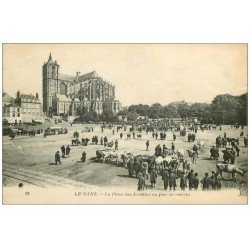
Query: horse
{"x": 75, "y": 142}
{"x": 229, "y": 168}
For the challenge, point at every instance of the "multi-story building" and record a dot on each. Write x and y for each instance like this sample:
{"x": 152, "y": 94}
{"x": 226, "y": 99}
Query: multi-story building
{"x": 65, "y": 94}
{"x": 24, "y": 108}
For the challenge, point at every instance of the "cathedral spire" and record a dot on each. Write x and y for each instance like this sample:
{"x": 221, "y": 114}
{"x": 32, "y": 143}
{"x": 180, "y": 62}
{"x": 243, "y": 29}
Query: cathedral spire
{"x": 50, "y": 57}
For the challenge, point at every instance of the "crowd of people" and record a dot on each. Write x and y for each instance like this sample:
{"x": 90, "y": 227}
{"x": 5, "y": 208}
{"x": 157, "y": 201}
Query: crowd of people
{"x": 170, "y": 179}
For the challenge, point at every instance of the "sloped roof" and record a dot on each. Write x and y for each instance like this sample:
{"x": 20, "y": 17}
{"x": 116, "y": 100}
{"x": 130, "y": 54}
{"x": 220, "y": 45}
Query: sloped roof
{"x": 13, "y": 105}
{"x": 7, "y": 97}
{"x": 87, "y": 76}
{"x": 65, "y": 77}
{"x": 29, "y": 97}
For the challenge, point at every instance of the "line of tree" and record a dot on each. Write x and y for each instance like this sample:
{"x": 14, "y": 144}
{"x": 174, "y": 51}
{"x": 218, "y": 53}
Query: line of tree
{"x": 224, "y": 109}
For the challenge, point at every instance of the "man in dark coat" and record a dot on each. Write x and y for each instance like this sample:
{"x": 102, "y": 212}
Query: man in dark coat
{"x": 121, "y": 135}
{"x": 217, "y": 182}
{"x": 63, "y": 151}
{"x": 172, "y": 180}
{"x": 68, "y": 151}
{"x": 173, "y": 147}
{"x": 156, "y": 135}
{"x": 116, "y": 144}
{"x": 183, "y": 182}
{"x": 190, "y": 178}
{"x": 147, "y": 145}
{"x": 153, "y": 177}
{"x": 237, "y": 149}
{"x": 105, "y": 141}
{"x": 245, "y": 141}
{"x": 83, "y": 159}
{"x": 213, "y": 180}
{"x": 174, "y": 136}
{"x": 165, "y": 178}
{"x": 57, "y": 158}
{"x": 196, "y": 181}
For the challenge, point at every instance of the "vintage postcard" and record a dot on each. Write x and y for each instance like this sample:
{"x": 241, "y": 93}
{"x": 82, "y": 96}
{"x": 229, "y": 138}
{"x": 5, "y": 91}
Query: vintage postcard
{"x": 125, "y": 124}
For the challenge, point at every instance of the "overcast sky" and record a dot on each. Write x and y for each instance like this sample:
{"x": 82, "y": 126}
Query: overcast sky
{"x": 141, "y": 73}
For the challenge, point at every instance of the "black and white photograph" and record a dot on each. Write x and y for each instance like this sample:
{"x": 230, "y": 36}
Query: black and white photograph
{"x": 125, "y": 124}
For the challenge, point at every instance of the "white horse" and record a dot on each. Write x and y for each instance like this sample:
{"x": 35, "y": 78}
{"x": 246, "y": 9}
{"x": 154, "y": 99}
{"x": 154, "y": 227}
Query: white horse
{"x": 229, "y": 168}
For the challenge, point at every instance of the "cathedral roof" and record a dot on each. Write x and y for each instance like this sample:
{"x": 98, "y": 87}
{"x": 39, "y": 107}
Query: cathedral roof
{"x": 65, "y": 77}
{"x": 87, "y": 76}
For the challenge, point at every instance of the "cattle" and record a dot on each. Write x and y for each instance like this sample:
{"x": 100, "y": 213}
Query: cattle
{"x": 139, "y": 136}
{"x": 214, "y": 153}
{"x": 228, "y": 168}
{"x": 230, "y": 140}
{"x": 191, "y": 137}
{"x": 228, "y": 155}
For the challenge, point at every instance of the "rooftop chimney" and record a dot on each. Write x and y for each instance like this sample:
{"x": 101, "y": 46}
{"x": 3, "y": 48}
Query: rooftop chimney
{"x": 18, "y": 94}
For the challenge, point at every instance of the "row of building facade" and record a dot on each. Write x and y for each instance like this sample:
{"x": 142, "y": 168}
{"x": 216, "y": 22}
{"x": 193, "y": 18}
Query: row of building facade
{"x": 63, "y": 95}
{"x": 23, "y": 108}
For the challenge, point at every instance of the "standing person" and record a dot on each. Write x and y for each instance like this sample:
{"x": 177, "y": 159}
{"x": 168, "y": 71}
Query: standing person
{"x": 153, "y": 134}
{"x": 195, "y": 149}
{"x": 213, "y": 180}
{"x": 225, "y": 135}
{"x": 105, "y": 141}
{"x": 245, "y": 141}
{"x": 102, "y": 129}
{"x": 164, "y": 150}
{"x": 217, "y": 182}
{"x": 196, "y": 181}
{"x": 237, "y": 149}
{"x": 121, "y": 135}
{"x": 101, "y": 141}
{"x": 83, "y": 159}
{"x": 183, "y": 181}
{"x": 204, "y": 182}
{"x": 116, "y": 144}
{"x": 147, "y": 145}
{"x": 153, "y": 177}
{"x": 63, "y": 151}
{"x": 141, "y": 182}
{"x": 172, "y": 180}
{"x": 173, "y": 147}
{"x": 134, "y": 135}
{"x": 174, "y": 137}
{"x": 156, "y": 135}
{"x": 190, "y": 178}
{"x": 68, "y": 151}
{"x": 113, "y": 131}
{"x": 57, "y": 158}
{"x": 165, "y": 178}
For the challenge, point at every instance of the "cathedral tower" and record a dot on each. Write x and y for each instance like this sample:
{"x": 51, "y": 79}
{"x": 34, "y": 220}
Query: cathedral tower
{"x": 50, "y": 84}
